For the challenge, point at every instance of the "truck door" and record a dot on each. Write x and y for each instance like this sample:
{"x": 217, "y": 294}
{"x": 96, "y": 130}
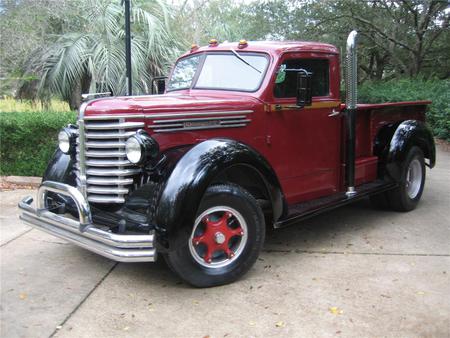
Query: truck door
{"x": 304, "y": 144}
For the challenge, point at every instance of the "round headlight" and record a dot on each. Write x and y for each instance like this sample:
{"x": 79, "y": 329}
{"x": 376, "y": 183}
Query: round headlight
{"x": 67, "y": 138}
{"x": 141, "y": 147}
{"x": 64, "y": 141}
{"x": 133, "y": 150}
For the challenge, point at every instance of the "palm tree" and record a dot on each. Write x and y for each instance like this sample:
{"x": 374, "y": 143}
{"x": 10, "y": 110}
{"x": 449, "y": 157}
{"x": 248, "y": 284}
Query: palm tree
{"x": 91, "y": 58}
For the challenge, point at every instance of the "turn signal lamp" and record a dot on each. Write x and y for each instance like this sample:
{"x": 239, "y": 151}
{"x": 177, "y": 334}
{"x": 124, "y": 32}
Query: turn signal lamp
{"x": 213, "y": 43}
{"x": 242, "y": 43}
{"x": 194, "y": 47}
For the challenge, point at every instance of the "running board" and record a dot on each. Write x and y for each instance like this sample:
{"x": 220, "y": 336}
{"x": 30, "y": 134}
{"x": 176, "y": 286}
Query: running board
{"x": 304, "y": 210}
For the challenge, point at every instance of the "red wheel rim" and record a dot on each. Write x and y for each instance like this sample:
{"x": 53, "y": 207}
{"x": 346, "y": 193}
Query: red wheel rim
{"x": 218, "y": 237}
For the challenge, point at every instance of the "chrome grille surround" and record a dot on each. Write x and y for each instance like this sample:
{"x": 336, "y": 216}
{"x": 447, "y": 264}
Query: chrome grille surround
{"x": 104, "y": 174}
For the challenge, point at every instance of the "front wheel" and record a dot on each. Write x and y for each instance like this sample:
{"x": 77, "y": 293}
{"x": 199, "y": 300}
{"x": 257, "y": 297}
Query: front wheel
{"x": 225, "y": 241}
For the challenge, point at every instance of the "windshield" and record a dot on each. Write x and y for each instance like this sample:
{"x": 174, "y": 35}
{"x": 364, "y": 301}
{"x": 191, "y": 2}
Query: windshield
{"x": 226, "y": 71}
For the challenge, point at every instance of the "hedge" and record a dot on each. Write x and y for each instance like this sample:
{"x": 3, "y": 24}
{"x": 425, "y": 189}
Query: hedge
{"x": 438, "y": 91}
{"x": 28, "y": 140}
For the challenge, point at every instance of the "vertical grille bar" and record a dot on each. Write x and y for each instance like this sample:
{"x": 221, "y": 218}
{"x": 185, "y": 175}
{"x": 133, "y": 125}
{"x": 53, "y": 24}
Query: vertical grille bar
{"x": 82, "y": 152}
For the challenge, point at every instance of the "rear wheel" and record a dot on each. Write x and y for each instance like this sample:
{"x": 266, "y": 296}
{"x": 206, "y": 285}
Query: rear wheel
{"x": 225, "y": 240}
{"x": 407, "y": 195}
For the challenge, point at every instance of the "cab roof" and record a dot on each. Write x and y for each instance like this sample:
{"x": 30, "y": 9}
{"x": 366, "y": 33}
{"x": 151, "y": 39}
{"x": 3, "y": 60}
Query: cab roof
{"x": 275, "y": 47}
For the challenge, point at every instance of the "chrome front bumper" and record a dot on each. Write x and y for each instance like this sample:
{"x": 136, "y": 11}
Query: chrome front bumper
{"x": 83, "y": 232}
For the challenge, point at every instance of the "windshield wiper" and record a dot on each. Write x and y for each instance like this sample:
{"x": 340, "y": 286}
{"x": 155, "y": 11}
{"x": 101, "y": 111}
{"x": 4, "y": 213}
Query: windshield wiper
{"x": 242, "y": 59}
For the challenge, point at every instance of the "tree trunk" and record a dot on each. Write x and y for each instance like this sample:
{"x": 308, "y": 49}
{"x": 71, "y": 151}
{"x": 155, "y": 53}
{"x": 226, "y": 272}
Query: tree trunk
{"x": 81, "y": 87}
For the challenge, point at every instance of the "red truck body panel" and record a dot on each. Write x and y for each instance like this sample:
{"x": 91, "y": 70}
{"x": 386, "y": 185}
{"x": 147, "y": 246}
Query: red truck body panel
{"x": 304, "y": 146}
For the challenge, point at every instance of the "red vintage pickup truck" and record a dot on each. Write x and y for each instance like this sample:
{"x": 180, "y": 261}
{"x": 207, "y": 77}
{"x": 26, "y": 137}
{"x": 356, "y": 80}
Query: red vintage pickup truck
{"x": 244, "y": 136}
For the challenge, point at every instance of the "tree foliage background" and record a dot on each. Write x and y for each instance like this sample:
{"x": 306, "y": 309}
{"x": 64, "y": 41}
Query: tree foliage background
{"x": 65, "y": 47}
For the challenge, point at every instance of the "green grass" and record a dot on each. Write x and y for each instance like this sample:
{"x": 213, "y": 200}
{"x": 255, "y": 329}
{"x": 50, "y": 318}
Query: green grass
{"x": 9, "y": 104}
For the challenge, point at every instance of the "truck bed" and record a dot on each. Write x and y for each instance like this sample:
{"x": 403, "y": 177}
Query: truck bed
{"x": 371, "y": 118}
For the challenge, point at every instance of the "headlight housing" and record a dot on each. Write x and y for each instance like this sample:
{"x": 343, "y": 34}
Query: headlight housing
{"x": 141, "y": 147}
{"x": 67, "y": 138}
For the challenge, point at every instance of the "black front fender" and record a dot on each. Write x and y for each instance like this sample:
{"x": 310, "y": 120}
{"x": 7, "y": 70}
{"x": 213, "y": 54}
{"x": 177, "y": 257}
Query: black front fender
{"x": 192, "y": 175}
{"x": 59, "y": 169}
{"x": 409, "y": 133}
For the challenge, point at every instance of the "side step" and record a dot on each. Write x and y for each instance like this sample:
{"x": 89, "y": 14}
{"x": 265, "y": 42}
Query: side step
{"x": 301, "y": 211}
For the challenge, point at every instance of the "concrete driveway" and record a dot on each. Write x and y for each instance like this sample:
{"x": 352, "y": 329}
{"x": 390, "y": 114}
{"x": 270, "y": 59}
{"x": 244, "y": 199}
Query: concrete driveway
{"x": 353, "y": 272}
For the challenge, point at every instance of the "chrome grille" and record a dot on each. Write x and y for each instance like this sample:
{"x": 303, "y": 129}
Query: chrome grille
{"x": 109, "y": 174}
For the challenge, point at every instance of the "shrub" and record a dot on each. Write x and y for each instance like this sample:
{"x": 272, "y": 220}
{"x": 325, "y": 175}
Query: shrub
{"x": 28, "y": 140}
{"x": 438, "y": 91}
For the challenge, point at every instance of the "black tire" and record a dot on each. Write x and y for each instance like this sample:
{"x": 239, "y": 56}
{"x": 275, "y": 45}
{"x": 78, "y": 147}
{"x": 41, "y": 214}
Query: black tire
{"x": 379, "y": 201}
{"x": 399, "y": 199}
{"x": 182, "y": 260}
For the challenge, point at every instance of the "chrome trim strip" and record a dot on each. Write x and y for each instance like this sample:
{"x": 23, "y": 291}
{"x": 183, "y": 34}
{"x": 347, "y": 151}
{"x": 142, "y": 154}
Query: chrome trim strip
{"x": 166, "y": 125}
{"x": 236, "y": 121}
{"x": 113, "y": 172}
{"x": 199, "y": 128}
{"x": 205, "y": 113}
{"x": 219, "y": 126}
{"x": 81, "y": 150}
{"x": 105, "y": 153}
{"x": 172, "y": 125}
{"x": 122, "y": 125}
{"x": 109, "y": 181}
{"x": 108, "y": 163}
{"x": 105, "y": 199}
{"x": 105, "y": 145}
{"x": 109, "y": 135}
{"x": 106, "y": 190}
{"x": 201, "y": 119}
{"x": 113, "y": 117}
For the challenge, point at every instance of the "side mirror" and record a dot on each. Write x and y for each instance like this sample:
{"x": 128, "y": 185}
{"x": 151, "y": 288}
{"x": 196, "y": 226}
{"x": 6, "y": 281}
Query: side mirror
{"x": 304, "y": 91}
{"x": 159, "y": 83}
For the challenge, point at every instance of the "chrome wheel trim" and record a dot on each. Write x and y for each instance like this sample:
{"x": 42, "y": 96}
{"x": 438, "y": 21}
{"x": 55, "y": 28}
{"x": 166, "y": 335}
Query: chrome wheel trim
{"x": 237, "y": 251}
{"x": 413, "y": 178}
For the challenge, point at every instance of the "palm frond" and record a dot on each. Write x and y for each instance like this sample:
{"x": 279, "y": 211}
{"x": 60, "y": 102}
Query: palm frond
{"x": 97, "y": 52}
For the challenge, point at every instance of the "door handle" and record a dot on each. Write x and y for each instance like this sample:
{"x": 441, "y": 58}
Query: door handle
{"x": 334, "y": 113}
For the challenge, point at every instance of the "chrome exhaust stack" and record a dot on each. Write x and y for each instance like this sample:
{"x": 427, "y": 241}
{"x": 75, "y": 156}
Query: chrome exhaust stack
{"x": 351, "y": 86}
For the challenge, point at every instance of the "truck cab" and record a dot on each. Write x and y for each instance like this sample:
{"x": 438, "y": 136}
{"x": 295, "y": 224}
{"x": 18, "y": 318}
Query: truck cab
{"x": 244, "y": 136}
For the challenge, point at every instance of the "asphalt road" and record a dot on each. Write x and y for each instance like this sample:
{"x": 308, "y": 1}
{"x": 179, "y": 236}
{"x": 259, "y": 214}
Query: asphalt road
{"x": 353, "y": 272}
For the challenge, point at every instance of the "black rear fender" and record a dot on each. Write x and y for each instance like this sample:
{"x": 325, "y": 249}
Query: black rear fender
{"x": 394, "y": 141}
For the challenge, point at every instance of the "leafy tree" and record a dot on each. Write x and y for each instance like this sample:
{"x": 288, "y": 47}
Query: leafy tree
{"x": 199, "y": 21}
{"x": 28, "y": 26}
{"x": 65, "y": 47}
{"x": 89, "y": 54}
{"x": 398, "y": 36}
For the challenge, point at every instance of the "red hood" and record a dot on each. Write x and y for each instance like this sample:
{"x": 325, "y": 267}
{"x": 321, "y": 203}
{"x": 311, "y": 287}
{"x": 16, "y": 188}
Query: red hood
{"x": 176, "y": 103}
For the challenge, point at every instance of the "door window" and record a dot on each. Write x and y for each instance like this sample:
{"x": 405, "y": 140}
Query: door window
{"x": 286, "y": 81}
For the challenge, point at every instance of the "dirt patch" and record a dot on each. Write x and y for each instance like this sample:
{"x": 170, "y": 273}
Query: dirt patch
{"x": 442, "y": 144}
{"x": 7, "y": 185}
